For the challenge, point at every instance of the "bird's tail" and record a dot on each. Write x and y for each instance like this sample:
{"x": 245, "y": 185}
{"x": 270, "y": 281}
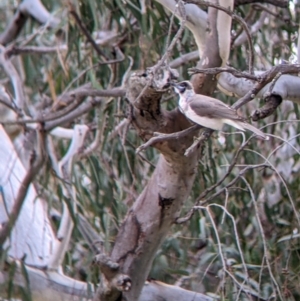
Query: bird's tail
{"x": 255, "y": 130}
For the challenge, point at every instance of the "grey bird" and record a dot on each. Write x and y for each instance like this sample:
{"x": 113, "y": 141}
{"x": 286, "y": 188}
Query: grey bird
{"x": 210, "y": 112}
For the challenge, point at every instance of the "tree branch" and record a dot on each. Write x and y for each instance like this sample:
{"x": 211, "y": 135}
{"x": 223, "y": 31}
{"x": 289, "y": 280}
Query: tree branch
{"x": 279, "y": 3}
{"x": 85, "y": 31}
{"x": 33, "y": 8}
{"x": 218, "y": 70}
{"x": 159, "y": 137}
{"x": 264, "y": 79}
{"x": 11, "y": 71}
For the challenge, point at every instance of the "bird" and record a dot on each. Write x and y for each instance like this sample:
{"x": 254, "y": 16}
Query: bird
{"x": 210, "y": 112}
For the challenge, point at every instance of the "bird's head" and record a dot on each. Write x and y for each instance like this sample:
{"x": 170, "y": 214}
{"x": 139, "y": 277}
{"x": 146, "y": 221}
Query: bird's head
{"x": 182, "y": 87}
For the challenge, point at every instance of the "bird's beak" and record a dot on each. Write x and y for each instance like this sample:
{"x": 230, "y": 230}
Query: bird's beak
{"x": 178, "y": 89}
{"x": 166, "y": 86}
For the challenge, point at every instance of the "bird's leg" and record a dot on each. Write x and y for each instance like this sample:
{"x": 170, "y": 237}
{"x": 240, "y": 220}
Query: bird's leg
{"x": 198, "y": 141}
{"x": 207, "y": 133}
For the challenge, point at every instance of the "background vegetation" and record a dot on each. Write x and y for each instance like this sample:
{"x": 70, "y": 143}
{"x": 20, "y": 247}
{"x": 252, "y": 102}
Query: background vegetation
{"x": 249, "y": 230}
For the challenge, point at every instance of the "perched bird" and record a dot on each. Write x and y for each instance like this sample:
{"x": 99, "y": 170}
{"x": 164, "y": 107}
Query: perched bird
{"x": 210, "y": 112}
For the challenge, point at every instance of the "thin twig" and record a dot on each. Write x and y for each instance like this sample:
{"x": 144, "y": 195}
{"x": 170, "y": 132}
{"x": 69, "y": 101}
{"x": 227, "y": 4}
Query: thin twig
{"x": 139, "y": 154}
{"x": 170, "y": 27}
{"x": 74, "y": 110}
{"x": 229, "y": 170}
{"x": 87, "y": 90}
{"x": 204, "y": 137}
{"x": 247, "y": 19}
{"x": 266, "y": 251}
{"x": 253, "y": 28}
{"x": 85, "y": 31}
{"x": 159, "y": 137}
{"x": 230, "y": 184}
{"x": 97, "y": 140}
{"x": 274, "y": 80}
{"x": 219, "y": 244}
{"x": 4, "y": 99}
{"x": 279, "y": 3}
{"x": 15, "y": 79}
{"x": 273, "y": 167}
{"x": 83, "y": 72}
{"x": 35, "y": 49}
{"x": 264, "y": 79}
{"x": 201, "y": 202}
{"x": 279, "y": 16}
{"x": 236, "y": 234}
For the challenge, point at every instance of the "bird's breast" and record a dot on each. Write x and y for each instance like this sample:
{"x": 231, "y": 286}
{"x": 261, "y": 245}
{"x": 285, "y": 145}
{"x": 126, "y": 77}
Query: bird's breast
{"x": 183, "y": 105}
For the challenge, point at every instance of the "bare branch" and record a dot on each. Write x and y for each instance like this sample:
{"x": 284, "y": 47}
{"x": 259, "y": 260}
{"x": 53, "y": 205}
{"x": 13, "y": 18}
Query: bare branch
{"x": 159, "y": 137}
{"x": 217, "y": 70}
{"x": 64, "y": 170}
{"x": 222, "y": 190}
{"x": 34, "y": 49}
{"x": 266, "y": 250}
{"x": 253, "y": 28}
{"x": 5, "y": 99}
{"x": 15, "y": 79}
{"x": 76, "y": 107}
{"x": 14, "y": 28}
{"x": 279, "y": 3}
{"x": 266, "y": 78}
{"x": 198, "y": 141}
{"x": 272, "y": 103}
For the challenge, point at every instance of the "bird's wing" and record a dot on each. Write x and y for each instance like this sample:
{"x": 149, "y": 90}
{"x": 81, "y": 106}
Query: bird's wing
{"x": 213, "y": 108}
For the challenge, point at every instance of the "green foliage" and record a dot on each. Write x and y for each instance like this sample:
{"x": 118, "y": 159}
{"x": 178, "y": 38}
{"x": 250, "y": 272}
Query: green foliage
{"x": 223, "y": 243}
